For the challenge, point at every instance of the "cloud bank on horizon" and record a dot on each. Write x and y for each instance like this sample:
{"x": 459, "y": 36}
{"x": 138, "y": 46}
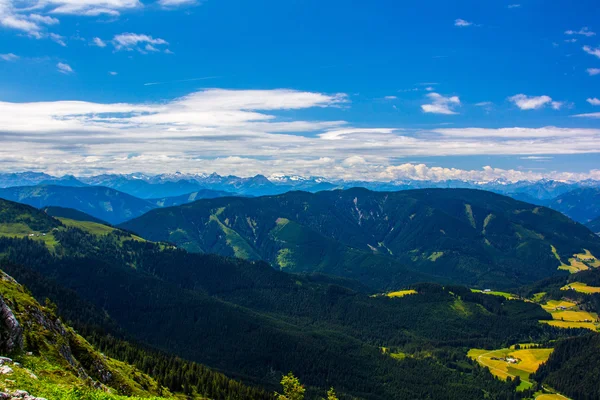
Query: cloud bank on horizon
{"x": 364, "y": 115}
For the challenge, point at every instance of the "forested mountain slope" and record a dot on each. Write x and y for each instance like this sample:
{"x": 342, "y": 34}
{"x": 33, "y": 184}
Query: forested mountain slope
{"x": 55, "y": 362}
{"x": 256, "y": 323}
{"x": 594, "y": 225}
{"x": 468, "y": 236}
{"x": 70, "y": 213}
{"x": 582, "y": 205}
{"x": 103, "y": 203}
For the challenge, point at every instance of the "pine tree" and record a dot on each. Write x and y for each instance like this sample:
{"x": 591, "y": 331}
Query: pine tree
{"x": 292, "y": 389}
{"x": 331, "y": 394}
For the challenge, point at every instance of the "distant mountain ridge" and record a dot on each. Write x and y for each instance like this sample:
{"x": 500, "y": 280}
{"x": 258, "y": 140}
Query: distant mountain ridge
{"x": 594, "y": 225}
{"x": 168, "y": 185}
{"x": 582, "y": 205}
{"x": 96, "y": 203}
{"x": 103, "y": 203}
{"x": 470, "y": 236}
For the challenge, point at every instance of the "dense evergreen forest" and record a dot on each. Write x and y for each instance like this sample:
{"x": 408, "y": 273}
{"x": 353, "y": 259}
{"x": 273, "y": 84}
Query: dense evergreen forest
{"x": 170, "y": 312}
{"x": 574, "y": 367}
{"x": 383, "y": 239}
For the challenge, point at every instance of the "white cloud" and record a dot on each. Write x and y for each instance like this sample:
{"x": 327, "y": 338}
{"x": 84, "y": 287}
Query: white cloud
{"x": 64, "y": 68}
{"x": 245, "y": 132}
{"x": 594, "y": 101}
{"x": 98, "y": 42}
{"x": 131, "y": 41}
{"x": 390, "y": 97}
{"x": 113, "y": 73}
{"x": 11, "y": 18}
{"x": 484, "y": 104}
{"x": 356, "y": 133}
{"x": 588, "y": 115}
{"x": 176, "y": 3}
{"x": 440, "y": 104}
{"x": 537, "y": 158}
{"x": 462, "y": 23}
{"x": 90, "y": 7}
{"x": 533, "y": 102}
{"x": 557, "y": 105}
{"x": 518, "y": 133}
{"x": 43, "y": 19}
{"x": 17, "y": 14}
{"x": 514, "y": 6}
{"x": 585, "y": 31}
{"x": 593, "y": 71}
{"x": 150, "y": 48}
{"x": 592, "y": 51}
{"x": 573, "y": 40}
{"x": 9, "y": 57}
{"x": 58, "y": 39}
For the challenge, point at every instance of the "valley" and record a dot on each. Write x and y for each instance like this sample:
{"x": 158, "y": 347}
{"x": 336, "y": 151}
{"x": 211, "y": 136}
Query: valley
{"x": 299, "y": 200}
{"x": 332, "y": 313}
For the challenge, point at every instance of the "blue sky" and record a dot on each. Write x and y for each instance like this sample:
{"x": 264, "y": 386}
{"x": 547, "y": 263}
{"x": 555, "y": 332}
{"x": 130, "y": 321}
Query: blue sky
{"x": 373, "y": 90}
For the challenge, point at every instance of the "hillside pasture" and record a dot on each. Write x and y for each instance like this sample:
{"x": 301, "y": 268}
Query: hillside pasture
{"x": 581, "y": 287}
{"x": 566, "y": 314}
{"x": 554, "y": 305}
{"x": 528, "y": 361}
{"x": 508, "y": 296}
{"x": 401, "y": 293}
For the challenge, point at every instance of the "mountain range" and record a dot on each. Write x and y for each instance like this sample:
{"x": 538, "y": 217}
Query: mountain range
{"x": 158, "y": 310}
{"x": 169, "y": 185}
{"x": 253, "y": 322}
{"x": 102, "y": 203}
{"x": 382, "y": 239}
{"x": 174, "y": 189}
{"x": 594, "y": 225}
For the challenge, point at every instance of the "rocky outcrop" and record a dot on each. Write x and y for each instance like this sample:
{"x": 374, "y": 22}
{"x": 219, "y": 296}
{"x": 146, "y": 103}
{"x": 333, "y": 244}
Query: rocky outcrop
{"x": 19, "y": 394}
{"x": 11, "y": 332}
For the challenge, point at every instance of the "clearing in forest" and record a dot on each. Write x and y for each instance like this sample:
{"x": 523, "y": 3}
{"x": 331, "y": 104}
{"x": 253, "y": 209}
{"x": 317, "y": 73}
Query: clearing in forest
{"x": 566, "y": 314}
{"x": 510, "y": 363}
{"x": 401, "y": 293}
{"x": 581, "y": 287}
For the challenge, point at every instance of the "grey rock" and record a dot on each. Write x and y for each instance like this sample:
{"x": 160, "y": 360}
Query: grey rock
{"x": 11, "y": 332}
{"x": 5, "y": 370}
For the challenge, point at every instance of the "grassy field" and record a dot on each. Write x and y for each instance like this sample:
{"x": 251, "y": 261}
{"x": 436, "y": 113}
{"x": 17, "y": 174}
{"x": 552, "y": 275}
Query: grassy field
{"x": 574, "y": 315}
{"x": 91, "y": 227}
{"x": 579, "y": 262}
{"x": 550, "y": 396}
{"x": 569, "y": 324}
{"x": 552, "y": 305}
{"x": 571, "y": 316}
{"x": 581, "y": 287}
{"x": 401, "y": 293}
{"x": 529, "y": 361}
{"x": 506, "y": 295}
{"x": 20, "y": 230}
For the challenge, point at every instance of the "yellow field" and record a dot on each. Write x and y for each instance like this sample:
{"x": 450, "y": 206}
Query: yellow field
{"x": 575, "y": 316}
{"x": 581, "y": 287}
{"x": 401, "y": 293}
{"x": 576, "y": 263}
{"x": 529, "y": 361}
{"x": 570, "y": 324}
{"x": 572, "y": 317}
{"x": 552, "y": 305}
{"x": 552, "y": 396}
